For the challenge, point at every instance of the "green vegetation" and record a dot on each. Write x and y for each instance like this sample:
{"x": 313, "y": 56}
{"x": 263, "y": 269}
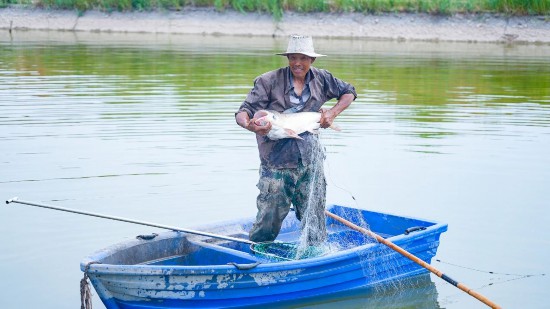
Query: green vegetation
{"x": 278, "y": 7}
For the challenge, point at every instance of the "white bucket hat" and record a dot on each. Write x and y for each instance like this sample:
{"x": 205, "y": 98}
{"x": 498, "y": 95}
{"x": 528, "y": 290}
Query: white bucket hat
{"x": 301, "y": 44}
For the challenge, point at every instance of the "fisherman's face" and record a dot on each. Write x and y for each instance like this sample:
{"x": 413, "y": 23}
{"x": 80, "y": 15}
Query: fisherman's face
{"x": 299, "y": 64}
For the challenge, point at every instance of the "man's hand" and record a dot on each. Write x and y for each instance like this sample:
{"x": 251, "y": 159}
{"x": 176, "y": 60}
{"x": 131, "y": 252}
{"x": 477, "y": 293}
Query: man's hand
{"x": 327, "y": 118}
{"x": 261, "y": 128}
{"x": 328, "y": 115}
{"x": 252, "y": 125}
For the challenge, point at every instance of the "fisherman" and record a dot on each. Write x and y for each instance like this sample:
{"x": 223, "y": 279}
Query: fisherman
{"x": 291, "y": 171}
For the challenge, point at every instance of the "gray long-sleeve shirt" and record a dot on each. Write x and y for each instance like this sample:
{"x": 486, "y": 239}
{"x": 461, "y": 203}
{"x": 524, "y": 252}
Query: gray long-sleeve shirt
{"x": 272, "y": 91}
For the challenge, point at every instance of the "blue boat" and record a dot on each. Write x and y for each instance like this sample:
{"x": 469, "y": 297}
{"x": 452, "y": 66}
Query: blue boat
{"x": 182, "y": 270}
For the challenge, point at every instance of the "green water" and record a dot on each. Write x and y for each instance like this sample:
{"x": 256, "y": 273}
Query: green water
{"x": 142, "y": 126}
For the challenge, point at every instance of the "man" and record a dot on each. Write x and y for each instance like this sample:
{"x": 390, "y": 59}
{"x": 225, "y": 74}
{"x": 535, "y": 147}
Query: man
{"x": 291, "y": 170}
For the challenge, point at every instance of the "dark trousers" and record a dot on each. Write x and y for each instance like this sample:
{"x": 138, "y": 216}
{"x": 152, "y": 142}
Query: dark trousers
{"x": 305, "y": 188}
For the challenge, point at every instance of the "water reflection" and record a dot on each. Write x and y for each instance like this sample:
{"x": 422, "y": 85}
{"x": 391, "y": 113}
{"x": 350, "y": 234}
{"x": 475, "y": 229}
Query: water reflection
{"x": 139, "y": 89}
{"x": 416, "y": 292}
{"x": 142, "y": 126}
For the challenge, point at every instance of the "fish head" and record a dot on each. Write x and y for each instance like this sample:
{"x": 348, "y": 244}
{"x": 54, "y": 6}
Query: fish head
{"x": 262, "y": 121}
{"x": 263, "y": 117}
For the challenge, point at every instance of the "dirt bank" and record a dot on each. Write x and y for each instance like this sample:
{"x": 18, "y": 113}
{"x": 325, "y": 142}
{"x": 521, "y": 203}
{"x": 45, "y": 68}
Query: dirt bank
{"x": 414, "y": 27}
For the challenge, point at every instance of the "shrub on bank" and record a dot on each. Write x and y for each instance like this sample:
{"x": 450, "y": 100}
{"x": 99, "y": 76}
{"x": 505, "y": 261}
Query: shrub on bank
{"x": 278, "y": 7}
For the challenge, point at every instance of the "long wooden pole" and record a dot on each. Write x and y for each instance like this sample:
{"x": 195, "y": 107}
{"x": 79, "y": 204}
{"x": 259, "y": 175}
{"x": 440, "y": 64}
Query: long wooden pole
{"x": 415, "y": 259}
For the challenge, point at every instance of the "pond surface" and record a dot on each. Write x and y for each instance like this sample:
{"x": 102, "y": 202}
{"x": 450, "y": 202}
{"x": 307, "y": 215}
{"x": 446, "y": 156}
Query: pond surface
{"x": 141, "y": 126}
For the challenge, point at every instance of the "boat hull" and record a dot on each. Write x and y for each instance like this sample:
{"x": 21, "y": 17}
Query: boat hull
{"x": 179, "y": 270}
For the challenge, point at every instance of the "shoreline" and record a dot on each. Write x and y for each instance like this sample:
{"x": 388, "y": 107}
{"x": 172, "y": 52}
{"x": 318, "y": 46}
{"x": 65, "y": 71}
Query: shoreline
{"x": 207, "y": 21}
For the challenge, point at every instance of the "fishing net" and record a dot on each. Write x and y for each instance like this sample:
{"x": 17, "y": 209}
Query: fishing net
{"x": 285, "y": 251}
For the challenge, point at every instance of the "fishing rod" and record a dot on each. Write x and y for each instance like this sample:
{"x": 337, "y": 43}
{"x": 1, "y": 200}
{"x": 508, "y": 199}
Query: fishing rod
{"x": 172, "y": 228}
{"x": 415, "y": 259}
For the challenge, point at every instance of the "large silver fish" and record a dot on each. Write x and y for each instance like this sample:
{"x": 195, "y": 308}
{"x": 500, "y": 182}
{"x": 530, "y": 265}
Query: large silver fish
{"x": 289, "y": 125}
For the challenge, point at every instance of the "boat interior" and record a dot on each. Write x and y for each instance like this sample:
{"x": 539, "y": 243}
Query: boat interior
{"x": 196, "y": 250}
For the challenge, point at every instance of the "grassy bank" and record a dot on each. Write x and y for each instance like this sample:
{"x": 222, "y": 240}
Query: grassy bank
{"x": 278, "y": 7}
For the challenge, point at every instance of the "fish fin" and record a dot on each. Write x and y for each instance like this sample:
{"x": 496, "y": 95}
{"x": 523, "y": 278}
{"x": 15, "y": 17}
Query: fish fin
{"x": 292, "y": 134}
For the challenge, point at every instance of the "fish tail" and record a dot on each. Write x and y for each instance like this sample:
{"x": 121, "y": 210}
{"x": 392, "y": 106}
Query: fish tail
{"x": 335, "y": 127}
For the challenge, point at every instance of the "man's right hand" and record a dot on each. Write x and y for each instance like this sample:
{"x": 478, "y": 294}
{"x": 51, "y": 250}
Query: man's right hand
{"x": 258, "y": 127}
{"x": 250, "y": 124}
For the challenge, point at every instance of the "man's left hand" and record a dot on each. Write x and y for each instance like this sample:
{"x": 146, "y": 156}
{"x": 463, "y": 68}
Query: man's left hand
{"x": 327, "y": 118}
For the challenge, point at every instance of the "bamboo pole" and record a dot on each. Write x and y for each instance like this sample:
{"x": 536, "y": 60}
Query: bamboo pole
{"x": 415, "y": 259}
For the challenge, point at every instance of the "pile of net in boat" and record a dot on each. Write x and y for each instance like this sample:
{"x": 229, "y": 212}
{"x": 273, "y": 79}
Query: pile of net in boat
{"x": 285, "y": 251}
